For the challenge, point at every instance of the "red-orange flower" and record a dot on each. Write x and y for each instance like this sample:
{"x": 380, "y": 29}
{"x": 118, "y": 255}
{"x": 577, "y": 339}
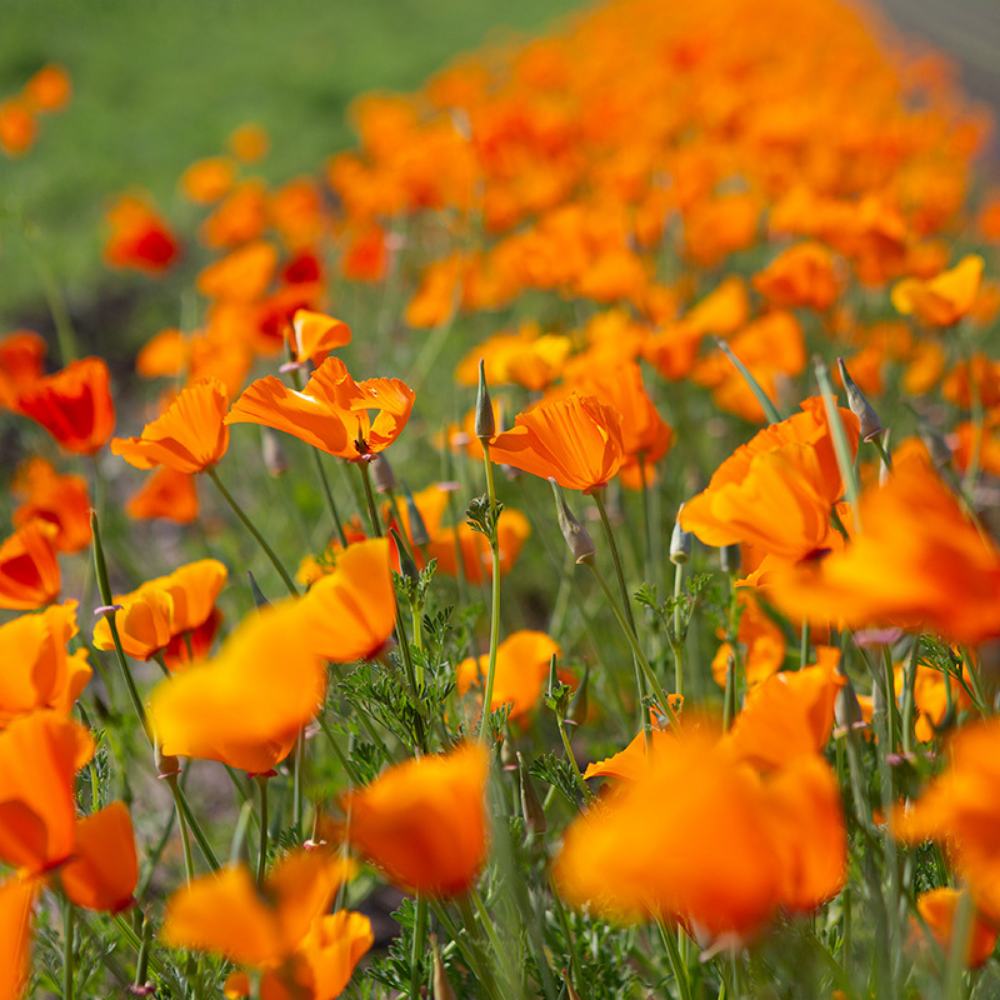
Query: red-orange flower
{"x": 63, "y": 501}
{"x": 22, "y": 355}
{"x": 140, "y": 238}
{"x": 29, "y": 569}
{"x": 166, "y": 494}
{"x": 74, "y": 405}
{"x": 424, "y": 822}
{"x": 191, "y": 436}
{"x": 332, "y": 412}
{"x": 103, "y": 871}
{"x": 49, "y": 89}
{"x": 576, "y": 441}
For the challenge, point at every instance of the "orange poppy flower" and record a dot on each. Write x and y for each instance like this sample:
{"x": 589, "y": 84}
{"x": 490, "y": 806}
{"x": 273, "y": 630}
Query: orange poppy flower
{"x": 191, "y": 436}
{"x": 140, "y": 238}
{"x": 17, "y": 900}
{"x": 513, "y": 531}
{"x": 762, "y": 640}
{"x": 49, "y": 89}
{"x": 576, "y": 441}
{"x": 917, "y": 563}
{"x": 945, "y": 299}
{"x": 240, "y": 218}
{"x": 633, "y": 762}
{"x": 38, "y": 671}
{"x": 29, "y": 569}
{"x": 164, "y": 609}
{"x": 424, "y": 822}
{"x": 280, "y": 929}
{"x": 39, "y": 757}
{"x": 208, "y": 180}
{"x": 331, "y": 413}
{"x": 938, "y": 909}
{"x": 236, "y": 708}
{"x": 74, "y": 405}
{"x": 103, "y": 871}
{"x": 63, "y": 501}
{"x": 249, "y": 142}
{"x": 18, "y": 127}
{"x": 528, "y": 357}
{"x": 316, "y": 334}
{"x": 22, "y": 355}
{"x": 350, "y": 614}
{"x": 803, "y": 275}
{"x": 522, "y": 668}
{"x": 243, "y": 275}
{"x": 778, "y": 490}
{"x": 166, "y": 494}
{"x": 931, "y": 697}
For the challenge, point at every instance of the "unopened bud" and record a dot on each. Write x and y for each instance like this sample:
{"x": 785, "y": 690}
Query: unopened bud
{"x": 680, "y": 545}
{"x": 580, "y": 543}
{"x": 383, "y": 477}
{"x": 871, "y": 426}
{"x": 571, "y": 993}
{"x": 577, "y": 711}
{"x": 531, "y": 805}
{"x": 442, "y": 988}
{"x": 941, "y": 454}
{"x": 275, "y": 459}
{"x": 418, "y": 528}
{"x": 407, "y": 567}
{"x": 846, "y": 707}
{"x": 730, "y": 558}
{"x": 486, "y": 424}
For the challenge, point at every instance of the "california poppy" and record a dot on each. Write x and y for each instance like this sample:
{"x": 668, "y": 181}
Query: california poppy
{"x": 63, "y": 501}
{"x": 576, "y": 441}
{"x": 140, "y": 238}
{"x": 17, "y": 899}
{"x": 166, "y": 494}
{"x": 49, "y": 89}
{"x": 513, "y": 531}
{"x": 208, "y": 180}
{"x": 103, "y": 871}
{"x": 332, "y": 412}
{"x": 424, "y": 822}
{"x": 74, "y": 405}
{"x": 315, "y": 335}
{"x": 939, "y": 908}
{"x": 29, "y": 568}
{"x": 243, "y": 275}
{"x": 802, "y": 276}
{"x": 191, "y": 436}
{"x": 18, "y": 127}
{"x": 944, "y": 299}
{"x": 22, "y": 356}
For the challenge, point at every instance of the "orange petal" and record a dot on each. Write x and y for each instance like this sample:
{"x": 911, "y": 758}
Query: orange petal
{"x": 104, "y": 870}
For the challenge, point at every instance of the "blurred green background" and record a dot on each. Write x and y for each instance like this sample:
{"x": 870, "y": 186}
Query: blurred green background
{"x": 160, "y": 83}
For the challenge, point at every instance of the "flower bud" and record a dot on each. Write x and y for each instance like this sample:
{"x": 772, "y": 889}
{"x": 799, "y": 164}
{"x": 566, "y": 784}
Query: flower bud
{"x": 577, "y": 711}
{"x": 442, "y": 988}
{"x": 871, "y": 426}
{"x": 486, "y": 425}
{"x": 680, "y": 545}
{"x": 531, "y": 805}
{"x": 846, "y": 707}
{"x": 383, "y": 477}
{"x": 730, "y": 558}
{"x": 275, "y": 459}
{"x": 580, "y": 543}
{"x": 407, "y": 567}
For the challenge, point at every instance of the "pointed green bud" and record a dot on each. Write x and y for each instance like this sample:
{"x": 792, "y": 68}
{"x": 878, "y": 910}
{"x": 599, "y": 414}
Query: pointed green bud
{"x": 486, "y": 425}
{"x": 531, "y": 804}
{"x": 730, "y": 558}
{"x": 871, "y": 426}
{"x": 680, "y": 545}
{"x": 442, "y": 988}
{"x": 576, "y": 714}
{"x": 383, "y": 477}
{"x": 259, "y": 600}
{"x": 407, "y": 567}
{"x": 941, "y": 453}
{"x": 273, "y": 453}
{"x": 580, "y": 543}
{"x": 418, "y": 529}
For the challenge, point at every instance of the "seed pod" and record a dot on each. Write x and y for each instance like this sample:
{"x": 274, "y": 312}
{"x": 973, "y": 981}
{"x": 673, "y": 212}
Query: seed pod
{"x": 383, "y": 477}
{"x": 486, "y": 425}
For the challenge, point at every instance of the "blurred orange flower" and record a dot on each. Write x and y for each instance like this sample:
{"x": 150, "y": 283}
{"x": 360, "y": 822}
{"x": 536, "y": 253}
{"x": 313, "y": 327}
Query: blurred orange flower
{"x": 29, "y": 568}
{"x": 22, "y": 354}
{"x": 576, "y": 441}
{"x": 63, "y": 501}
{"x": 18, "y": 127}
{"x": 191, "y": 436}
{"x": 424, "y": 822}
{"x": 74, "y": 405}
{"x": 208, "y": 180}
{"x": 166, "y": 494}
{"x": 803, "y": 275}
{"x": 938, "y": 907}
{"x": 513, "y": 531}
{"x": 332, "y": 411}
{"x": 103, "y": 872}
{"x": 140, "y": 238}
{"x": 17, "y": 900}
{"x": 945, "y": 299}
{"x": 49, "y": 89}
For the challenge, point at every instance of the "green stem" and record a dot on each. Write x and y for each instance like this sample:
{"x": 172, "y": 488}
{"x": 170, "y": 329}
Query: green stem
{"x": 328, "y": 493}
{"x": 249, "y": 525}
{"x": 69, "y": 912}
{"x": 909, "y": 685}
{"x": 678, "y": 968}
{"x": 484, "y": 725}
{"x": 419, "y": 945}
{"x": 958, "y": 952}
{"x": 585, "y": 790}
{"x": 804, "y": 644}
{"x": 262, "y": 855}
{"x": 182, "y": 822}
{"x": 676, "y": 643}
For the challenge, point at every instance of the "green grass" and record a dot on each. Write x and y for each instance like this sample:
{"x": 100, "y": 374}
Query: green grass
{"x": 160, "y": 83}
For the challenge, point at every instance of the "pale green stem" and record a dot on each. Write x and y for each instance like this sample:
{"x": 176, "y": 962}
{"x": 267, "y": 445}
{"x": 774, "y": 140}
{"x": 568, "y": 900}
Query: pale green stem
{"x": 484, "y": 726}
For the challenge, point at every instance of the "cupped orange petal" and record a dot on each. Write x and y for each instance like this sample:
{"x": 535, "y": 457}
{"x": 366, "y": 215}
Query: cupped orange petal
{"x": 29, "y": 568}
{"x": 316, "y": 334}
{"x": 333, "y": 947}
{"x": 104, "y": 869}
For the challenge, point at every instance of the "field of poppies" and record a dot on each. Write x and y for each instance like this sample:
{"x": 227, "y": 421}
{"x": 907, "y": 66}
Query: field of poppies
{"x": 566, "y": 518}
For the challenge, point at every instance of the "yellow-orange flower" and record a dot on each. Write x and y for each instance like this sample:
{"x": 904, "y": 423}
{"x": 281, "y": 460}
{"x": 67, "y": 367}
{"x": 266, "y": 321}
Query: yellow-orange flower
{"x": 945, "y": 299}
{"x": 424, "y": 822}
{"x": 332, "y": 412}
{"x": 191, "y": 436}
{"x": 576, "y": 441}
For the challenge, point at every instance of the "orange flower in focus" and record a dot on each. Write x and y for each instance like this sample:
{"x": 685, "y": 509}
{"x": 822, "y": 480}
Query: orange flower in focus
{"x": 29, "y": 569}
{"x": 49, "y": 89}
{"x": 804, "y": 275}
{"x": 917, "y": 563}
{"x": 522, "y": 668}
{"x": 778, "y": 490}
{"x": 424, "y": 822}
{"x": 164, "y": 609}
{"x": 22, "y": 354}
{"x": 191, "y": 436}
{"x": 331, "y": 412}
{"x": 39, "y": 757}
{"x": 38, "y": 672}
{"x": 208, "y": 180}
{"x": 281, "y": 929}
{"x": 74, "y": 405}
{"x": 350, "y": 614}
{"x": 63, "y": 501}
{"x": 140, "y": 239}
{"x": 938, "y": 909}
{"x": 316, "y": 334}
{"x": 166, "y": 494}
{"x": 236, "y": 708}
{"x": 103, "y": 871}
{"x": 945, "y": 299}
{"x": 18, "y": 128}
{"x": 576, "y": 441}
